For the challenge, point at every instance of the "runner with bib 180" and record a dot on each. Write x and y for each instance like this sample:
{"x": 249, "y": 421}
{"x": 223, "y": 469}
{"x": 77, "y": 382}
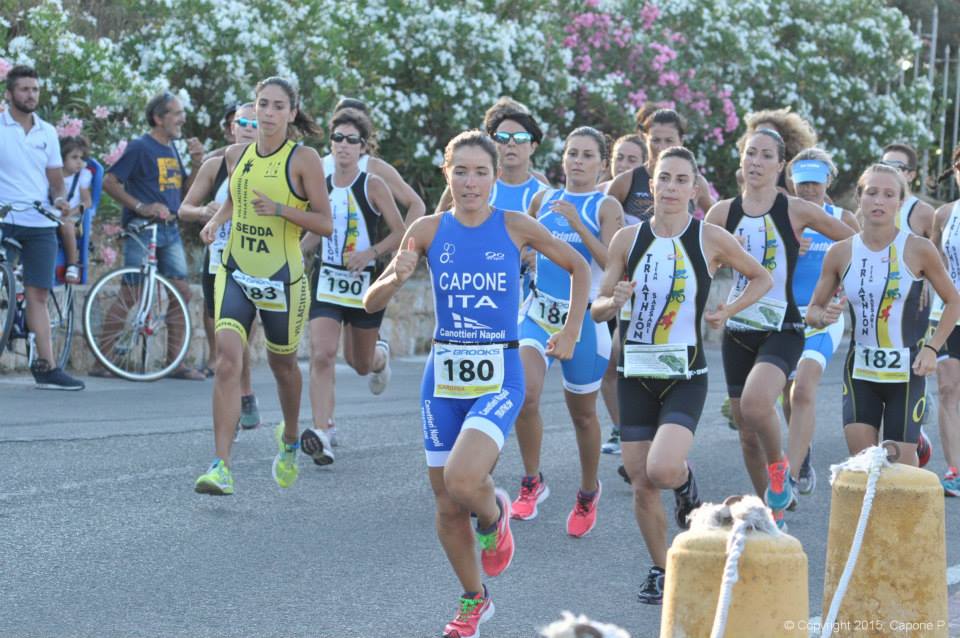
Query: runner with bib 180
{"x": 657, "y": 279}
{"x": 762, "y": 344}
{"x": 473, "y": 382}
{"x": 882, "y": 270}
{"x": 586, "y": 219}
{"x": 346, "y": 265}
{"x": 262, "y": 270}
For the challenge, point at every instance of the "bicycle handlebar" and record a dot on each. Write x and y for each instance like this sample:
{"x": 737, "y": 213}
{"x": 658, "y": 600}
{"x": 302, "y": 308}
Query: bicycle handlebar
{"x": 24, "y": 207}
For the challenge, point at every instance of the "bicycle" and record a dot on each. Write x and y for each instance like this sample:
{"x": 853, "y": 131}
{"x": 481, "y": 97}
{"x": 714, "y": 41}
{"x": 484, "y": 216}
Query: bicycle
{"x": 135, "y": 321}
{"x": 13, "y": 300}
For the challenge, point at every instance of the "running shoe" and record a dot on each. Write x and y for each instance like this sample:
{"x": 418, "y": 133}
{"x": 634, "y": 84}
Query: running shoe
{"x": 533, "y": 491}
{"x": 686, "y": 499}
{"x": 217, "y": 481}
{"x": 249, "y": 412}
{"x": 778, "y": 519}
{"x": 332, "y": 434}
{"x": 583, "y": 516}
{"x": 622, "y": 471}
{"x": 728, "y": 414}
{"x": 378, "y": 380}
{"x": 496, "y": 547}
{"x": 236, "y": 432}
{"x": 924, "y": 449}
{"x": 951, "y": 482}
{"x": 48, "y": 378}
{"x": 652, "y": 592}
{"x": 473, "y": 611}
{"x": 779, "y": 490}
{"x": 612, "y": 446}
{"x": 794, "y": 501}
{"x": 316, "y": 444}
{"x": 285, "y": 468}
{"x": 807, "y": 477}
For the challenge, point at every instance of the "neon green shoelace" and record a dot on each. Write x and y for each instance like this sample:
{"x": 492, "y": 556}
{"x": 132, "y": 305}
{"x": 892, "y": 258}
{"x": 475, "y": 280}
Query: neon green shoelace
{"x": 487, "y": 542}
{"x": 468, "y": 606}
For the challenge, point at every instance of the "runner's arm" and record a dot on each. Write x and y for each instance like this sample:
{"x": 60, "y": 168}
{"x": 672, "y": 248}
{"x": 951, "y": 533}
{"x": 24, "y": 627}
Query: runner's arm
{"x": 415, "y": 243}
{"x": 606, "y": 305}
{"x": 808, "y": 215}
{"x": 723, "y": 249}
{"x": 933, "y": 270}
{"x": 821, "y": 312}
{"x": 402, "y": 191}
{"x": 308, "y": 167}
{"x": 193, "y": 209}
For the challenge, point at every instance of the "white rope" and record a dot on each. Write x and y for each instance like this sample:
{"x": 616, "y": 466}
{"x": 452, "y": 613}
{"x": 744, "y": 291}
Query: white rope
{"x": 871, "y": 460}
{"x": 731, "y": 574}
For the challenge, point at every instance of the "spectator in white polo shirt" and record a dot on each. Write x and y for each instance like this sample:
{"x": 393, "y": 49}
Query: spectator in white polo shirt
{"x": 30, "y": 171}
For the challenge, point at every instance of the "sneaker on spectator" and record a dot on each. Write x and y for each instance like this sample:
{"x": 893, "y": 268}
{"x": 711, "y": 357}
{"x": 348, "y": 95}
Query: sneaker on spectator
{"x": 48, "y": 378}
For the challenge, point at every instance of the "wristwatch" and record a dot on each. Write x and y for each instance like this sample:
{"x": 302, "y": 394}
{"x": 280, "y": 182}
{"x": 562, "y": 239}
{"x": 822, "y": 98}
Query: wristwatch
{"x": 138, "y": 207}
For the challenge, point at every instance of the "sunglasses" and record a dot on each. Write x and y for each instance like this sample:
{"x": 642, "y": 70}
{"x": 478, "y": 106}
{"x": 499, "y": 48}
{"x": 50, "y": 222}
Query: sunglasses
{"x": 244, "y": 122}
{"x": 521, "y": 137}
{"x": 349, "y": 139}
{"x": 897, "y": 164}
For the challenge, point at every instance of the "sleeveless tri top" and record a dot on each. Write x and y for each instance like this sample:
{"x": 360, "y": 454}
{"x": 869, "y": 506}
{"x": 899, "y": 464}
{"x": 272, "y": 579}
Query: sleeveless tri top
{"x": 770, "y": 239}
{"x": 515, "y": 197}
{"x": 475, "y": 272}
{"x": 906, "y": 210}
{"x": 551, "y": 278}
{"x": 672, "y": 285}
{"x": 639, "y": 202}
{"x": 261, "y": 245}
{"x": 355, "y": 222}
{"x": 881, "y": 290}
{"x": 810, "y": 264}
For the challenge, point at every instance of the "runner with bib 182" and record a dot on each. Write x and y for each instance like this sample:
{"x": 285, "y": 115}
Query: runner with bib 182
{"x": 473, "y": 383}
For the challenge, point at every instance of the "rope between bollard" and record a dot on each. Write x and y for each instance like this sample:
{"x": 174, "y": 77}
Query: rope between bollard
{"x": 731, "y": 574}
{"x": 878, "y": 457}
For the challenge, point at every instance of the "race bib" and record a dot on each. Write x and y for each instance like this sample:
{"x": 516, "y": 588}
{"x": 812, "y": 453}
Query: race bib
{"x": 882, "y": 365}
{"x": 626, "y": 310}
{"x": 217, "y": 248}
{"x": 548, "y": 312}
{"x": 263, "y": 293}
{"x": 766, "y": 314}
{"x": 462, "y": 371}
{"x": 936, "y": 308}
{"x": 342, "y": 287}
{"x": 657, "y": 361}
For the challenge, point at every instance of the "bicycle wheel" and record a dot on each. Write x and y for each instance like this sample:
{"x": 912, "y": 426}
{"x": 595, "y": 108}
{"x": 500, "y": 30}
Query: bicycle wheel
{"x": 137, "y": 331}
{"x": 8, "y": 304}
{"x": 60, "y": 308}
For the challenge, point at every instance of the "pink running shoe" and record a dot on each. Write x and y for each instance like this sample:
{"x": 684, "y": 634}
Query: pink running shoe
{"x": 583, "y": 518}
{"x": 533, "y": 491}
{"x": 473, "y": 611}
{"x": 496, "y": 548}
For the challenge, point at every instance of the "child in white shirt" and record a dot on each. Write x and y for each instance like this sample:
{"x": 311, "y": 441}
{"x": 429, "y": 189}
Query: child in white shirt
{"x": 77, "y": 179}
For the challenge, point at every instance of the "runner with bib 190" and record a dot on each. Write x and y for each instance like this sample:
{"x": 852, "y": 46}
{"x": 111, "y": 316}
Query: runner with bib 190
{"x": 276, "y": 191}
{"x": 811, "y": 172}
{"x": 586, "y": 219}
{"x": 473, "y": 383}
{"x": 762, "y": 344}
{"x": 882, "y": 270}
{"x": 346, "y": 264}
{"x": 668, "y": 263}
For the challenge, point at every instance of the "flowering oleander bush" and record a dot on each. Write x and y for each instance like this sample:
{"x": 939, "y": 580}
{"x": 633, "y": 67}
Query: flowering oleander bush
{"x": 430, "y": 68}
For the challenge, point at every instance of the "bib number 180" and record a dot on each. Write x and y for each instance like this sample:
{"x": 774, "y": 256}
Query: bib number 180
{"x": 466, "y": 371}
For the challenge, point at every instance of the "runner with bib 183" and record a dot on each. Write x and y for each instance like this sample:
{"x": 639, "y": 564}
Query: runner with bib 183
{"x": 473, "y": 382}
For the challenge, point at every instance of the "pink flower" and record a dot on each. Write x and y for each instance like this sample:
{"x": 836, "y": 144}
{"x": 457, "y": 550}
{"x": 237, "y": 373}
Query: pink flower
{"x": 670, "y": 77}
{"x": 717, "y": 134}
{"x": 5, "y": 67}
{"x": 592, "y": 4}
{"x": 111, "y": 230}
{"x": 638, "y": 98}
{"x": 69, "y": 127}
{"x": 649, "y": 15}
{"x": 108, "y": 255}
{"x": 101, "y": 112}
{"x": 112, "y": 157}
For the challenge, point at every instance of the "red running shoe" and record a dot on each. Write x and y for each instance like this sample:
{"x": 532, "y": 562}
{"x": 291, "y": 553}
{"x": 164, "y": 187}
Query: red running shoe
{"x": 583, "y": 517}
{"x": 473, "y": 611}
{"x": 496, "y": 551}
{"x": 533, "y": 491}
{"x": 924, "y": 449}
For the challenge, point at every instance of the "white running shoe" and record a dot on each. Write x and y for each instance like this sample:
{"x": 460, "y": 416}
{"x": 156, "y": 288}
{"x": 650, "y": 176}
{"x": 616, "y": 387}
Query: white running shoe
{"x": 378, "y": 380}
{"x": 316, "y": 444}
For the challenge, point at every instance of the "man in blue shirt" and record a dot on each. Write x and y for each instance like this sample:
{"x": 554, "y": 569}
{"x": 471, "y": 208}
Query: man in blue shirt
{"x": 30, "y": 171}
{"x": 149, "y": 181}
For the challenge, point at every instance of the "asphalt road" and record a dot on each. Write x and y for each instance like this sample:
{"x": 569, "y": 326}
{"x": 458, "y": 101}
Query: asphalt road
{"x": 102, "y": 535}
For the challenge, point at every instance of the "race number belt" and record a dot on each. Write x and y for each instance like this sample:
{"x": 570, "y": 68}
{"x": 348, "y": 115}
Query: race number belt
{"x": 342, "y": 287}
{"x": 467, "y": 370}
{"x": 656, "y": 361}
{"x": 765, "y": 314}
{"x": 549, "y": 313}
{"x": 881, "y": 365}
{"x": 626, "y": 310}
{"x": 265, "y": 294}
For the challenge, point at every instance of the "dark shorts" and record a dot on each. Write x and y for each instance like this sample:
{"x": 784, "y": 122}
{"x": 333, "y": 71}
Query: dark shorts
{"x": 646, "y": 404}
{"x": 742, "y": 349}
{"x": 951, "y": 349}
{"x": 356, "y": 317}
{"x": 897, "y": 407}
{"x": 282, "y": 329}
{"x": 39, "y": 253}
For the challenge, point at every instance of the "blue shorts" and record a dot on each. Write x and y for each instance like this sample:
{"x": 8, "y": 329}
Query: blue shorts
{"x": 39, "y": 254}
{"x": 821, "y": 344}
{"x": 171, "y": 258}
{"x": 492, "y": 414}
{"x": 584, "y": 371}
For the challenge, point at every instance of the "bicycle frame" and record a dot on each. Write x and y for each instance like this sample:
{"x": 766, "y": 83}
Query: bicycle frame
{"x": 149, "y": 270}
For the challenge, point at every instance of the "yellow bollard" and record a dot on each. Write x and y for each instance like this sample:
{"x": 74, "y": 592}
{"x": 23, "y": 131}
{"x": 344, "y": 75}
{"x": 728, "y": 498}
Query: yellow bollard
{"x": 899, "y": 585}
{"x": 769, "y": 598}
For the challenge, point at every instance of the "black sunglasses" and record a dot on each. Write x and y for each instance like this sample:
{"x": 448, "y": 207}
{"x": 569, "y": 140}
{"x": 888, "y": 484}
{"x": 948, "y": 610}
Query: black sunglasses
{"x": 349, "y": 139}
{"x": 520, "y": 137}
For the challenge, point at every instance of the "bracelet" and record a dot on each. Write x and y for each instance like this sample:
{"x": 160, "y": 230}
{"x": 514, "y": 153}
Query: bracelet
{"x": 138, "y": 207}
{"x": 279, "y": 210}
{"x": 935, "y": 351}
{"x": 59, "y": 199}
